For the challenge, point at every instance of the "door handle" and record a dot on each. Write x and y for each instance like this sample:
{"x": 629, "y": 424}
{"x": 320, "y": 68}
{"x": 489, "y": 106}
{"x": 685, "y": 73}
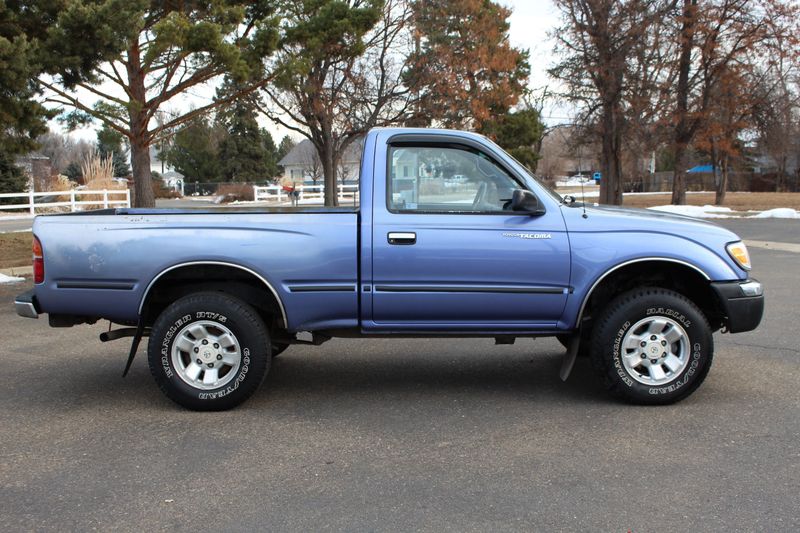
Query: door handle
{"x": 399, "y": 237}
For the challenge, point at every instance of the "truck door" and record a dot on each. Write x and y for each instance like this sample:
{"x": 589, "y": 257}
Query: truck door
{"x": 447, "y": 252}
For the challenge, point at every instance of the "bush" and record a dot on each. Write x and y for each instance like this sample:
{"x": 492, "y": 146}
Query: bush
{"x": 162, "y": 191}
{"x": 236, "y": 192}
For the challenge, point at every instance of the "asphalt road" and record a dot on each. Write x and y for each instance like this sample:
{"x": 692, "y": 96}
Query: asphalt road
{"x": 387, "y": 435}
{"x": 17, "y": 223}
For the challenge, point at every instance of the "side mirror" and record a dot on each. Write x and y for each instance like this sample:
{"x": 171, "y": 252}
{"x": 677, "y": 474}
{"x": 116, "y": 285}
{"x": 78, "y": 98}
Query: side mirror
{"x": 525, "y": 201}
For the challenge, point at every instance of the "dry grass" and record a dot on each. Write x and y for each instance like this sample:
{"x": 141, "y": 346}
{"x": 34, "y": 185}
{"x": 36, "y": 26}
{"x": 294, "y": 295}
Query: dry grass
{"x": 738, "y": 201}
{"x": 15, "y": 249}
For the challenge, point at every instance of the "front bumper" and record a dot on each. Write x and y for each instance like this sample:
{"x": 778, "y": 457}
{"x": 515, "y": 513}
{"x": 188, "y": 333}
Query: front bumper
{"x": 742, "y": 303}
{"x": 26, "y": 304}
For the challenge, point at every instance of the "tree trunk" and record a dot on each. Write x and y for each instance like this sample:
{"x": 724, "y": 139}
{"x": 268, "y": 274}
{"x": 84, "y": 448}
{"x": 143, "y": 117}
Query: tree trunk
{"x": 683, "y": 134}
{"x": 140, "y": 145}
{"x": 142, "y": 178}
{"x": 780, "y": 178}
{"x": 722, "y": 185}
{"x": 679, "y": 174}
{"x": 329, "y": 175}
{"x": 610, "y": 164}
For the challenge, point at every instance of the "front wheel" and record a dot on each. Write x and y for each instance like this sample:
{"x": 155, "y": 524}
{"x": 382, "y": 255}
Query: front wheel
{"x": 209, "y": 351}
{"x": 652, "y": 346}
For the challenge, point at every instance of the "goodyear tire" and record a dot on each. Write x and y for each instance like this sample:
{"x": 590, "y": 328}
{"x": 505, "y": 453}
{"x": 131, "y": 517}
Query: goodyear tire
{"x": 652, "y": 346}
{"x": 209, "y": 351}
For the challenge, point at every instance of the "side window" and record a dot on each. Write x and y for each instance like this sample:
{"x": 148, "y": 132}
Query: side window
{"x": 447, "y": 180}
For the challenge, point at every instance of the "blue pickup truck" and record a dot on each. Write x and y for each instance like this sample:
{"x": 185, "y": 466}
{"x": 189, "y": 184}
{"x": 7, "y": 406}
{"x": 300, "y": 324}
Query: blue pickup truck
{"x": 453, "y": 237}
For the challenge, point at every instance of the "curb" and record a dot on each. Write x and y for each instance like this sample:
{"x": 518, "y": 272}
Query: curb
{"x": 17, "y": 271}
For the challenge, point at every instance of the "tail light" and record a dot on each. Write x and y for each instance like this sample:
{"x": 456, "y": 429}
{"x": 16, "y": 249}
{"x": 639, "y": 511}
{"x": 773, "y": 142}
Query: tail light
{"x": 38, "y": 261}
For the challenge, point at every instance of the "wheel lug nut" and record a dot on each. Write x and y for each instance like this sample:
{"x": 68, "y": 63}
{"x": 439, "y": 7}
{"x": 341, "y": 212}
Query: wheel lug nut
{"x": 643, "y": 344}
{"x": 664, "y": 354}
{"x": 199, "y": 362}
{"x": 197, "y": 350}
{"x": 205, "y": 341}
{"x": 653, "y": 361}
{"x": 663, "y": 343}
{"x": 644, "y": 356}
{"x": 210, "y": 365}
{"x": 219, "y": 357}
{"x": 653, "y": 337}
{"x": 216, "y": 345}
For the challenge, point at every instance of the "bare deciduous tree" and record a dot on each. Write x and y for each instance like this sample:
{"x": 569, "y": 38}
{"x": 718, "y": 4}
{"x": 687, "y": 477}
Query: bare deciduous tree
{"x": 596, "y": 44}
{"x": 715, "y": 38}
{"x": 341, "y": 91}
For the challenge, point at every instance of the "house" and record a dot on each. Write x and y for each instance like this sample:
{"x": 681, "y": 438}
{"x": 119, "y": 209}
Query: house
{"x": 302, "y": 163}
{"x": 37, "y": 168}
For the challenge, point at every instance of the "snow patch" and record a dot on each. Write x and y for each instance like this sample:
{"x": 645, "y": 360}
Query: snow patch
{"x": 10, "y": 279}
{"x": 780, "y": 212}
{"x": 574, "y": 182}
{"x": 696, "y": 211}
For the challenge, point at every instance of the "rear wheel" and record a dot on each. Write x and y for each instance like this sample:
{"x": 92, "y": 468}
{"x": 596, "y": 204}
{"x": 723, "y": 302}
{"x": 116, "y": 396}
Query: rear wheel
{"x": 209, "y": 351}
{"x": 652, "y": 346}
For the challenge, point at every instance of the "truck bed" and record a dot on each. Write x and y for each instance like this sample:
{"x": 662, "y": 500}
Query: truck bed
{"x": 107, "y": 259}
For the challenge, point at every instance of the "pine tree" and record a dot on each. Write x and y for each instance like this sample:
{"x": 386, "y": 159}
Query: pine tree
{"x": 464, "y": 70}
{"x": 271, "y": 152}
{"x": 12, "y": 179}
{"x": 285, "y": 147}
{"x": 21, "y": 118}
{"x": 111, "y": 142}
{"x": 519, "y": 133}
{"x": 194, "y": 151}
{"x": 242, "y": 153}
{"x": 157, "y": 51}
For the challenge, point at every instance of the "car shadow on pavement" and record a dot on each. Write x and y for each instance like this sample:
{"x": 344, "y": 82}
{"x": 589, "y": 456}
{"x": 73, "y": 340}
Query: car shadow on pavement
{"x": 303, "y": 376}
{"x": 429, "y": 376}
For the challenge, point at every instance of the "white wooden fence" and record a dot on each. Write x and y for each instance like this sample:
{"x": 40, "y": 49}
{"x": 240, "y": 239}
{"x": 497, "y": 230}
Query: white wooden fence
{"x": 275, "y": 193}
{"x": 74, "y": 203}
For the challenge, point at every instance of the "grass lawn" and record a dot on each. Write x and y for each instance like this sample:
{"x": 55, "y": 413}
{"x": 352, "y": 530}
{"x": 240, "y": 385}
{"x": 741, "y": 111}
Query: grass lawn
{"x": 15, "y": 249}
{"x": 738, "y": 201}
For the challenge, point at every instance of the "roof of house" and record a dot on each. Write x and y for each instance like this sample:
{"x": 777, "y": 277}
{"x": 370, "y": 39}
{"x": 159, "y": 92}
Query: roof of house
{"x": 303, "y": 153}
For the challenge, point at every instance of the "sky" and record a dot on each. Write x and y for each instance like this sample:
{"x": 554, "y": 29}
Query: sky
{"x": 530, "y": 23}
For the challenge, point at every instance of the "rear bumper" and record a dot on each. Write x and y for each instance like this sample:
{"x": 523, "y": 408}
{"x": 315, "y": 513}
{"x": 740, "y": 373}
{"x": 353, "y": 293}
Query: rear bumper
{"x": 26, "y": 305}
{"x": 742, "y": 302}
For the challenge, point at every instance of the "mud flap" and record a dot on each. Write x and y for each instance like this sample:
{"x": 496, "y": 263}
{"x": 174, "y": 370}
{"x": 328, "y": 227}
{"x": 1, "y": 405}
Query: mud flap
{"x": 137, "y": 337}
{"x": 569, "y": 356}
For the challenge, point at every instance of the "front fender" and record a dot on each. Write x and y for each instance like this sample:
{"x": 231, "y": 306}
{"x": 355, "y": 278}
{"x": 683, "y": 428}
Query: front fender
{"x": 595, "y": 255}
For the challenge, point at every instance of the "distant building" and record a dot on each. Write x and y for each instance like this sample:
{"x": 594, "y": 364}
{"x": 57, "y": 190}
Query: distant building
{"x": 37, "y": 168}
{"x": 562, "y": 154}
{"x": 302, "y": 163}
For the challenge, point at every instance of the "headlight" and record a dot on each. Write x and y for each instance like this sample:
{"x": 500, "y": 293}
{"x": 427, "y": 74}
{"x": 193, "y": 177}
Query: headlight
{"x": 738, "y": 251}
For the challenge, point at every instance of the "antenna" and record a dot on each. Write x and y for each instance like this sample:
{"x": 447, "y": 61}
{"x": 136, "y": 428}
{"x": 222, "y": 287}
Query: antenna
{"x": 583, "y": 200}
